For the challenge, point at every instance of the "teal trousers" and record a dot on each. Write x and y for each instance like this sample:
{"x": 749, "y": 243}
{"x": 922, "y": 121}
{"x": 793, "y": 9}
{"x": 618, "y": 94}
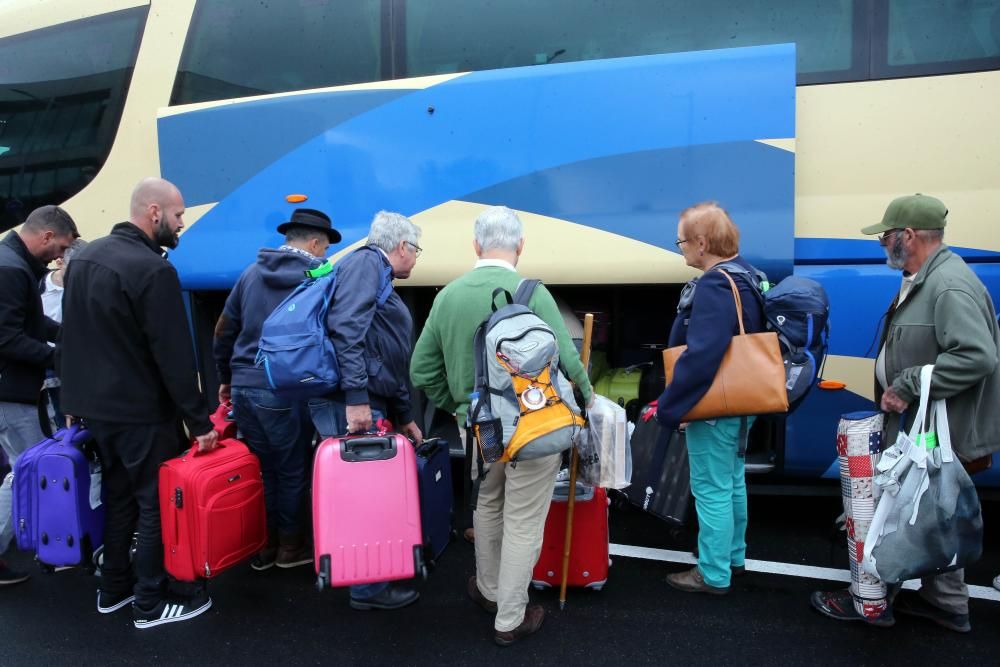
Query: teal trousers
{"x": 720, "y": 493}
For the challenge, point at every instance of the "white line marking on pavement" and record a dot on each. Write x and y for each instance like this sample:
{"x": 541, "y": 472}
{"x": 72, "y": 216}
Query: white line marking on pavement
{"x": 772, "y": 567}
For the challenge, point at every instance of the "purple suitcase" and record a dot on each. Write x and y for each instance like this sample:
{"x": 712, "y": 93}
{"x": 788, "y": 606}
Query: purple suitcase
{"x": 58, "y": 509}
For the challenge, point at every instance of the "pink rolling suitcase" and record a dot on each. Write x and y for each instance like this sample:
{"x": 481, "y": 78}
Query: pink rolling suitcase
{"x": 366, "y": 511}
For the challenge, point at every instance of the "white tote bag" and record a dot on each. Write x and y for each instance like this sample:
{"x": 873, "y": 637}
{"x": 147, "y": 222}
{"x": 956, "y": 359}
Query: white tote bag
{"x": 928, "y": 519}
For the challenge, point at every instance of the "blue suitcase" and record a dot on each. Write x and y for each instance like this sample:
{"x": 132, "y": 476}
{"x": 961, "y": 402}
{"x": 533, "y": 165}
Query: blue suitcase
{"x": 436, "y": 495}
{"x": 58, "y": 510}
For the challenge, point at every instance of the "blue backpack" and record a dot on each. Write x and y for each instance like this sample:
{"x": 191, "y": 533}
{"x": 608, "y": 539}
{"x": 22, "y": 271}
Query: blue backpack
{"x": 295, "y": 349}
{"x": 798, "y": 310}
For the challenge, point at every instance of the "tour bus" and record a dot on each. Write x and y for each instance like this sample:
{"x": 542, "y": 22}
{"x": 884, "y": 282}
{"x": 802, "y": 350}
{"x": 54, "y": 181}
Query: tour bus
{"x": 597, "y": 121}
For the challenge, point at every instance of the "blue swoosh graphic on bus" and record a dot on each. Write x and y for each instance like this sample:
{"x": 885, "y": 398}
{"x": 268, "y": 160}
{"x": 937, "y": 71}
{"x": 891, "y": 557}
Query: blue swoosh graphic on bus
{"x": 635, "y": 183}
{"x": 210, "y": 152}
{"x": 473, "y": 132}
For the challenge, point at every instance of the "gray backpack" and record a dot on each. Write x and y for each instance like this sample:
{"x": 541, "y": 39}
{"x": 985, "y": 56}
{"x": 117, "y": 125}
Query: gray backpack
{"x": 523, "y": 405}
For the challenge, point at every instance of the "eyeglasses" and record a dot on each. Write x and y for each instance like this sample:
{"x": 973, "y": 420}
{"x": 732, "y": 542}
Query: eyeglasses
{"x": 416, "y": 249}
{"x": 678, "y": 242}
{"x": 885, "y": 236}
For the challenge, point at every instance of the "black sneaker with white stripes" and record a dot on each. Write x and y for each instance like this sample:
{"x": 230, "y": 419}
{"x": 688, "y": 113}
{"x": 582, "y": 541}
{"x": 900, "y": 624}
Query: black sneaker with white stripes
{"x": 109, "y": 602}
{"x": 171, "y": 611}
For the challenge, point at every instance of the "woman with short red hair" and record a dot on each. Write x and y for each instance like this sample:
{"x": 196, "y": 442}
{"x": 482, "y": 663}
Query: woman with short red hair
{"x": 706, "y": 322}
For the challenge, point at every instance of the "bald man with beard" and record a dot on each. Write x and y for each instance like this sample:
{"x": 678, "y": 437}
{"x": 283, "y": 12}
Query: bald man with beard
{"x": 128, "y": 369}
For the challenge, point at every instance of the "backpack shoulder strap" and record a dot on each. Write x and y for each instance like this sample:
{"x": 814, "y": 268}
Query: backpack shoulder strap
{"x": 525, "y": 289}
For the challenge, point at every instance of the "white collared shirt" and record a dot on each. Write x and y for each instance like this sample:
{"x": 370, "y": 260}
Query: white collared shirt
{"x": 503, "y": 264}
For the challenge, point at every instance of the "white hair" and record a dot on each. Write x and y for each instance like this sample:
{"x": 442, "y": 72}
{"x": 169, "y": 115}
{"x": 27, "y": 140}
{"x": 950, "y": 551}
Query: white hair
{"x": 76, "y": 246}
{"x": 389, "y": 229}
{"x": 498, "y": 228}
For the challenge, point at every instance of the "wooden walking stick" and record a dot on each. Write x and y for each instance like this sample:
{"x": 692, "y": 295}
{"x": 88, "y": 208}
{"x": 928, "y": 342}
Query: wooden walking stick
{"x": 588, "y": 328}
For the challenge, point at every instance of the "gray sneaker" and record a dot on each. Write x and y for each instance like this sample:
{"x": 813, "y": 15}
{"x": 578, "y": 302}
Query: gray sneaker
{"x": 911, "y": 603}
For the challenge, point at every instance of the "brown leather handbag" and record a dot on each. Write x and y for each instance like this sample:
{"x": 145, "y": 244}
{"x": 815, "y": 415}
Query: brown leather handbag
{"x": 750, "y": 380}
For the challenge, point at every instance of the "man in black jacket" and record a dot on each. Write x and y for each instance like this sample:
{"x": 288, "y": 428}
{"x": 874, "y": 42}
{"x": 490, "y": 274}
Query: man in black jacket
{"x": 127, "y": 368}
{"x": 25, "y": 352}
{"x": 372, "y": 330}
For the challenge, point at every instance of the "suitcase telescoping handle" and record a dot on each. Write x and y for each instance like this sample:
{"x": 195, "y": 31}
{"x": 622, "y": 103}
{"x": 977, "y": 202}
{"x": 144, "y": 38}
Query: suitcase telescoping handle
{"x": 430, "y": 447}
{"x": 358, "y": 450}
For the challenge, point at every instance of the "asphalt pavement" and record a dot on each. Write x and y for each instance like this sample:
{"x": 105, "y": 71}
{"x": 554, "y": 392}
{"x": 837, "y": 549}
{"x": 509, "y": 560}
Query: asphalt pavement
{"x": 277, "y": 617}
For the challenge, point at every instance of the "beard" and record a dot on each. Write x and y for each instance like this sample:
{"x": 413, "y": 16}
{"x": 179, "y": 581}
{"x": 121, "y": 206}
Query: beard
{"x": 895, "y": 255}
{"x": 165, "y": 237}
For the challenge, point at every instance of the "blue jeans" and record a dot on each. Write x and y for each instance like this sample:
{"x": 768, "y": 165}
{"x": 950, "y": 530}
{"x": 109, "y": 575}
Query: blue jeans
{"x": 19, "y": 430}
{"x": 330, "y": 418}
{"x": 720, "y": 493}
{"x": 279, "y": 432}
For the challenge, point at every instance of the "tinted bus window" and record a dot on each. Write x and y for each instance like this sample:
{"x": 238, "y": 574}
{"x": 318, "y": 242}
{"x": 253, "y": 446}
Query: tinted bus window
{"x": 62, "y": 90}
{"x": 236, "y": 49}
{"x": 458, "y": 35}
{"x": 937, "y": 36}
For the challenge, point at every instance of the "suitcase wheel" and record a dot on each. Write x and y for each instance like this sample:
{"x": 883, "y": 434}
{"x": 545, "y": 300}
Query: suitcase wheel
{"x": 323, "y": 576}
{"x": 419, "y": 565}
{"x": 46, "y": 568}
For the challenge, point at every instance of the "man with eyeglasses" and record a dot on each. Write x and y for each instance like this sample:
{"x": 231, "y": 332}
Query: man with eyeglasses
{"x": 371, "y": 330}
{"x": 943, "y": 315}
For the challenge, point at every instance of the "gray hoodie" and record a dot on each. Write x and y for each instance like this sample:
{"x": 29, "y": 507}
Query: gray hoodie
{"x": 259, "y": 290}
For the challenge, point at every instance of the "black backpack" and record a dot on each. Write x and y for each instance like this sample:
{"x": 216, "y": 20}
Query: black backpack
{"x": 798, "y": 310}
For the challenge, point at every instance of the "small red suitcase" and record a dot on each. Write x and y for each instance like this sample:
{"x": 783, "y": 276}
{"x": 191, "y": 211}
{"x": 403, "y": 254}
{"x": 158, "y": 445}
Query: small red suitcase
{"x": 211, "y": 510}
{"x": 588, "y": 556}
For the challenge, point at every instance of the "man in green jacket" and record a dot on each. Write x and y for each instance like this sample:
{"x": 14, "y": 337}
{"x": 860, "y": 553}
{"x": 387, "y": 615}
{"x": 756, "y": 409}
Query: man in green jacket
{"x": 513, "y": 500}
{"x": 943, "y": 315}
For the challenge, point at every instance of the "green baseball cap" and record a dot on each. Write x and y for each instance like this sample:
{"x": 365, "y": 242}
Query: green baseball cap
{"x": 914, "y": 211}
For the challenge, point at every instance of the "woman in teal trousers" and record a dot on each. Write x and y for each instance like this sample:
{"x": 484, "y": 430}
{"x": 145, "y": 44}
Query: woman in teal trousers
{"x": 706, "y": 322}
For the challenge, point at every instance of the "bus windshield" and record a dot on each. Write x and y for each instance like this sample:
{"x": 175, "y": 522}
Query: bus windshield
{"x": 62, "y": 90}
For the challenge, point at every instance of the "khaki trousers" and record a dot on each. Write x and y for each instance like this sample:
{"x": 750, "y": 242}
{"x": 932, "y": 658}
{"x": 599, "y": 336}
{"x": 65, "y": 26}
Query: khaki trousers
{"x": 509, "y": 520}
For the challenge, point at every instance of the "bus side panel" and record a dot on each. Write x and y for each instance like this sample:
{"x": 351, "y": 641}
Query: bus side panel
{"x": 859, "y": 297}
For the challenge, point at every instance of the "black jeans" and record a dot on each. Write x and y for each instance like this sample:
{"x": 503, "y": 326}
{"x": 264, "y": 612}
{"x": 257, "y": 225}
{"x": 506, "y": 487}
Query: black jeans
{"x": 131, "y": 455}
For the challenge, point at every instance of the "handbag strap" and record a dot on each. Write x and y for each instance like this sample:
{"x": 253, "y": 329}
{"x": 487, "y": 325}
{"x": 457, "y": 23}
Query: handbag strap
{"x": 736, "y": 297}
{"x": 943, "y": 431}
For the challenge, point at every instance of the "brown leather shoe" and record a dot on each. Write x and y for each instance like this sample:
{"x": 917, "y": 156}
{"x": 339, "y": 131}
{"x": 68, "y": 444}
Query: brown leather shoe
{"x": 478, "y": 597}
{"x": 691, "y": 581}
{"x": 533, "y": 617}
{"x": 470, "y": 535}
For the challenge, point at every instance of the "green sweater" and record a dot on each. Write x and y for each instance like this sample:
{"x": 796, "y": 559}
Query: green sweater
{"x": 443, "y": 364}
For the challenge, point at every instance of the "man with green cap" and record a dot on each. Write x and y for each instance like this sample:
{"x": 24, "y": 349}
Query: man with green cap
{"x": 943, "y": 315}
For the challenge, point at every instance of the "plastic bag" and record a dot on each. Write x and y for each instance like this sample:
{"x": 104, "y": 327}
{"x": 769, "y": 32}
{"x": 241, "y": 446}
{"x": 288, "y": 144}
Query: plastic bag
{"x": 928, "y": 520}
{"x": 605, "y": 454}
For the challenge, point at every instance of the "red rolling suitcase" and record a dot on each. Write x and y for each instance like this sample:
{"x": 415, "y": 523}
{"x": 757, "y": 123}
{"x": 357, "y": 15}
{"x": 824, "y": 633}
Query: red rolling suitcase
{"x": 588, "y": 558}
{"x": 212, "y": 510}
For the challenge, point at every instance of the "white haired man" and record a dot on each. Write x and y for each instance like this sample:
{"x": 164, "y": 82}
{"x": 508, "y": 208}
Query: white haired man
{"x": 513, "y": 500}
{"x": 368, "y": 326}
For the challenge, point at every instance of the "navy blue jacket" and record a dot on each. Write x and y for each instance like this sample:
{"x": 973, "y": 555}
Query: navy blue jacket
{"x": 259, "y": 290}
{"x": 373, "y": 343}
{"x": 706, "y": 328}
{"x": 24, "y": 329}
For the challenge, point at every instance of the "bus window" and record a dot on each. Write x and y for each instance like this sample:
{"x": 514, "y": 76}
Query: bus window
{"x": 62, "y": 90}
{"x": 457, "y": 35}
{"x": 241, "y": 49}
{"x": 919, "y": 37}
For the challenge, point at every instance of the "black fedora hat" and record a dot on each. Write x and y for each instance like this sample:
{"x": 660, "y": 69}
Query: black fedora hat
{"x": 308, "y": 217}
